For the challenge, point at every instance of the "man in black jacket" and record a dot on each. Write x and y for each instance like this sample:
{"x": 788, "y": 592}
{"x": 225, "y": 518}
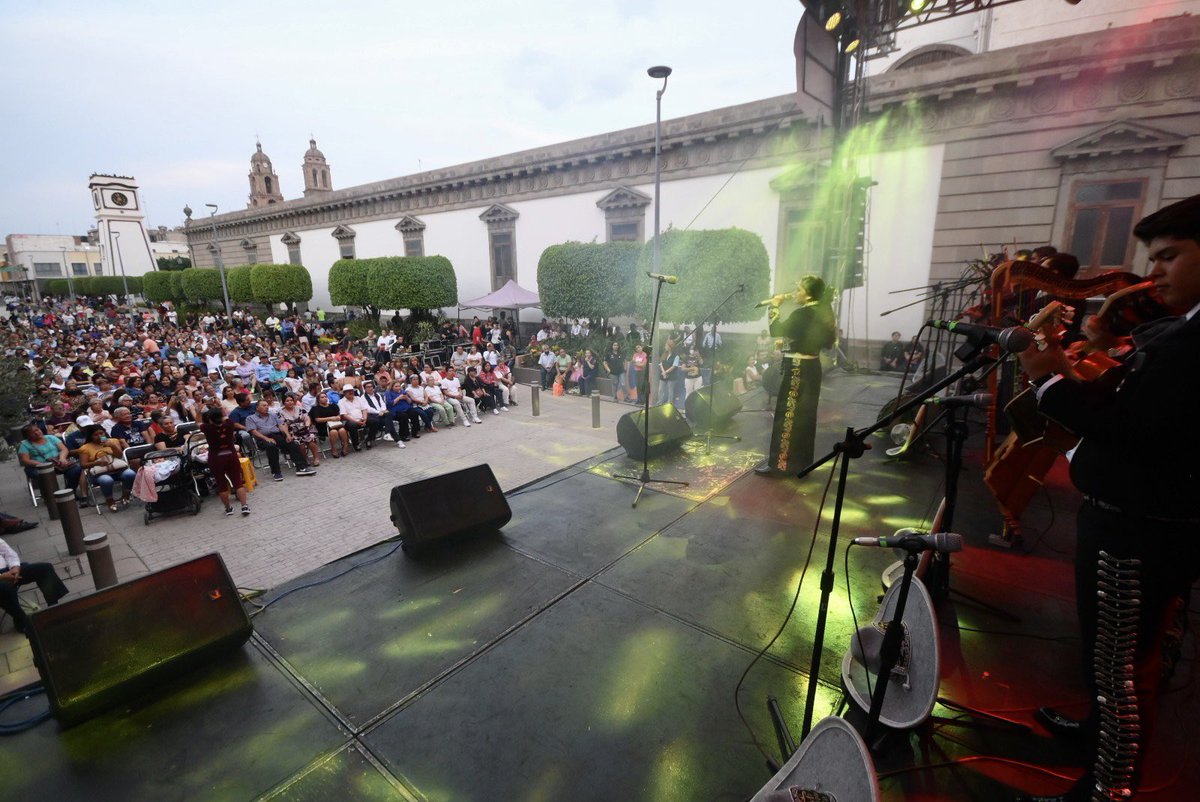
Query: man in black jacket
{"x": 1138, "y": 530}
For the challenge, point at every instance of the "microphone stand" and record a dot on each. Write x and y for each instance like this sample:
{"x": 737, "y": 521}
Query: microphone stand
{"x": 853, "y": 446}
{"x": 644, "y": 478}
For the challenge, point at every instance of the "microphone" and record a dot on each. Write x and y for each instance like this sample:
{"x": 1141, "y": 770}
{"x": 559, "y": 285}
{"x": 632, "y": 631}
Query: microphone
{"x": 914, "y": 540}
{"x": 1014, "y": 340}
{"x": 664, "y": 279}
{"x": 980, "y": 400}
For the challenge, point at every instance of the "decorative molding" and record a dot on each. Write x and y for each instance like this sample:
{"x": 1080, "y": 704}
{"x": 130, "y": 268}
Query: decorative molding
{"x": 1119, "y": 138}
{"x": 249, "y": 245}
{"x": 624, "y": 198}
{"x": 410, "y": 225}
{"x": 500, "y": 216}
{"x": 290, "y": 238}
{"x": 342, "y": 233}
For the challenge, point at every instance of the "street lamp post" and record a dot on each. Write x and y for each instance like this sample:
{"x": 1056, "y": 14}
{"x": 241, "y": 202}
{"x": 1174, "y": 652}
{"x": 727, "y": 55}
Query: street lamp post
{"x": 67, "y": 270}
{"x": 220, "y": 261}
{"x": 121, "y": 263}
{"x": 658, "y": 72}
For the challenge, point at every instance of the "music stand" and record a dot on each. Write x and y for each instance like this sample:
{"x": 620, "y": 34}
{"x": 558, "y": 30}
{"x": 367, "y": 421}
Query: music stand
{"x": 644, "y": 478}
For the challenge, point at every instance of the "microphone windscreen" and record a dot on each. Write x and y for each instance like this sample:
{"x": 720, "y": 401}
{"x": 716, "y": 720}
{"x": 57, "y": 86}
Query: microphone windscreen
{"x": 866, "y": 647}
{"x": 948, "y": 541}
{"x": 1016, "y": 339}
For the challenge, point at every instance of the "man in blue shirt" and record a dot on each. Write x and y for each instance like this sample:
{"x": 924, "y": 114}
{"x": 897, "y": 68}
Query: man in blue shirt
{"x": 127, "y": 429}
{"x": 271, "y": 433}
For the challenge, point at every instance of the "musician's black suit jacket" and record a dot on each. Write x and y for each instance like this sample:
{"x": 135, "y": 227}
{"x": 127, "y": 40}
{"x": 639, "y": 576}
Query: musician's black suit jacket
{"x": 1141, "y": 442}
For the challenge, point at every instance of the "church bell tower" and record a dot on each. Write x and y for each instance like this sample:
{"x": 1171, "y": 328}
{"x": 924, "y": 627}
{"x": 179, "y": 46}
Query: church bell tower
{"x": 264, "y": 183}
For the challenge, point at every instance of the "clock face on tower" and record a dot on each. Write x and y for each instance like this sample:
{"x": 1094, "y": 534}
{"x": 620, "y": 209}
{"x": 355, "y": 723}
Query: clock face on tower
{"x": 119, "y": 199}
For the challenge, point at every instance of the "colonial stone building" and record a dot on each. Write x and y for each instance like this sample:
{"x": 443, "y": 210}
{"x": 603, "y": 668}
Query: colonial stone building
{"x": 1064, "y": 141}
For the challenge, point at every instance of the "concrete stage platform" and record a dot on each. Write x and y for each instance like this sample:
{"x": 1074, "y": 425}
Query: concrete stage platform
{"x": 591, "y": 651}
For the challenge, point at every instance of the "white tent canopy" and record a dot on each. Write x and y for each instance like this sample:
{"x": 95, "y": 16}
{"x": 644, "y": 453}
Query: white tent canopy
{"x": 511, "y": 296}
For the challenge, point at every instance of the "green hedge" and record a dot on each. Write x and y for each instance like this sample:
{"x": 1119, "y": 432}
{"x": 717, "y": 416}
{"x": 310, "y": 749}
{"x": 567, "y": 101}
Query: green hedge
{"x": 411, "y": 282}
{"x": 237, "y": 280}
{"x": 275, "y": 284}
{"x": 588, "y": 279}
{"x": 710, "y": 265}
{"x": 348, "y": 282}
{"x": 201, "y": 284}
{"x": 162, "y": 286}
{"x": 57, "y": 286}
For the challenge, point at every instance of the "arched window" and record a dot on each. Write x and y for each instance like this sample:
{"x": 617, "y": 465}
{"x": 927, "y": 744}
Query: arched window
{"x": 267, "y": 182}
{"x": 314, "y": 177}
{"x": 324, "y": 179}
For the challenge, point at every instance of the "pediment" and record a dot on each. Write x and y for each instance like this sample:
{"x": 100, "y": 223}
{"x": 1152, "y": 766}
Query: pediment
{"x": 290, "y": 238}
{"x": 1117, "y": 138}
{"x": 800, "y": 177}
{"x": 342, "y": 232}
{"x": 624, "y": 198}
{"x": 249, "y": 245}
{"x": 410, "y": 225}
{"x": 499, "y": 213}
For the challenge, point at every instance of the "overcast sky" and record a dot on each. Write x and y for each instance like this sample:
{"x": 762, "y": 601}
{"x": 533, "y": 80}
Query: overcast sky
{"x": 175, "y": 93}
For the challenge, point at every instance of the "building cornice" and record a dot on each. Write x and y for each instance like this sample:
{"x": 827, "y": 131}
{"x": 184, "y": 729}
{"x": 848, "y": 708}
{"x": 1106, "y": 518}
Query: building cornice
{"x": 712, "y": 141}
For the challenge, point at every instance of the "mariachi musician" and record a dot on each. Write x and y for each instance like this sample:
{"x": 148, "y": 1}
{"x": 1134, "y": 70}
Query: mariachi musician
{"x": 1020, "y": 464}
{"x": 806, "y": 331}
{"x": 1138, "y": 529}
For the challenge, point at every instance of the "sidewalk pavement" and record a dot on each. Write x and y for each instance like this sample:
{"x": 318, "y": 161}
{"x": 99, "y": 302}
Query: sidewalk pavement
{"x": 302, "y": 523}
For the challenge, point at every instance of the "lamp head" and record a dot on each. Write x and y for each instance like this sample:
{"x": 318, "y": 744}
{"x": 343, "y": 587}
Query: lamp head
{"x": 659, "y": 72}
{"x": 212, "y": 206}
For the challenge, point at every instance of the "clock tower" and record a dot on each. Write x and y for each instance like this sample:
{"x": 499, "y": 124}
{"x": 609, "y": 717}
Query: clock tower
{"x": 121, "y": 226}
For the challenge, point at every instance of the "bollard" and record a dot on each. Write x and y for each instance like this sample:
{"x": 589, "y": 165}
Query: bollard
{"x": 595, "y": 409}
{"x": 99, "y": 555}
{"x": 535, "y": 399}
{"x": 48, "y": 482}
{"x": 68, "y": 513}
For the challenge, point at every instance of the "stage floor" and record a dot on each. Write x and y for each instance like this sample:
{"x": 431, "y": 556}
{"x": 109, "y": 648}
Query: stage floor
{"x": 591, "y": 651}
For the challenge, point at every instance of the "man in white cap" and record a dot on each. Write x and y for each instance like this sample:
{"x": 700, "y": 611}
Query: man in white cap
{"x": 354, "y": 412}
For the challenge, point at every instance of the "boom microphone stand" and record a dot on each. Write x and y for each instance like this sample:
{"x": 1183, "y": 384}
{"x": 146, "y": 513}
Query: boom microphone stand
{"x": 852, "y": 447}
{"x": 644, "y": 479}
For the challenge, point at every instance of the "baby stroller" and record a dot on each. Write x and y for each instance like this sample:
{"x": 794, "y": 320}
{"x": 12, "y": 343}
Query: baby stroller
{"x": 174, "y": 481}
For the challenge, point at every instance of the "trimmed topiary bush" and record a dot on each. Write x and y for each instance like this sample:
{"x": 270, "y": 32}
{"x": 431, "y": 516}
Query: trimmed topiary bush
{"x": 588, "y": 279}
{"x": 710, "y": 265}
{"x": 237, "y": 280}
{"x": 412, "y": 282}
{"x": 201, "y": 284}
{"x": 280, "y": 284}
{"x": 162, "y": 286}
{"x": 349, "y": 285}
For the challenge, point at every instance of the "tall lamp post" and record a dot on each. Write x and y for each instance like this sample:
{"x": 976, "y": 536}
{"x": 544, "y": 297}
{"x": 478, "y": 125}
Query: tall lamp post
{"x": 217, "y": 257}
{"x": 663, "y": 73}
{"x": 121, "y": 262}
{"x": 67, "y": 270}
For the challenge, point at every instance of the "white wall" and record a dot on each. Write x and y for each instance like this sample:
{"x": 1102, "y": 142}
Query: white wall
{"x": 903, "y": 210}
{"x": 747, "y": 202}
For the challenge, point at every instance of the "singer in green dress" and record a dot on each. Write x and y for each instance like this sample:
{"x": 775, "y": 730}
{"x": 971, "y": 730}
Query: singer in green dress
{"x": 806, "y": 330}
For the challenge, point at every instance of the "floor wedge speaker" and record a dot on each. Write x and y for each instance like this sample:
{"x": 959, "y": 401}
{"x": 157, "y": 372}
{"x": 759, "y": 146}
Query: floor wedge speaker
{"x": 462, "y": 503}
{"x": 124, "y": 641}
{"x": 668, "y": 430}
{"x": 724, "y": 406}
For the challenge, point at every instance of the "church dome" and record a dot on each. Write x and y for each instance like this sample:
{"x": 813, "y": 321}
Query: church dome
{"x": 259, "y": 157}
{"x": 312, "y": 154}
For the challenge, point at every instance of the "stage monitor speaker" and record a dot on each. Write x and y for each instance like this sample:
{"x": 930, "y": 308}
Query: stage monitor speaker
{"x": 724, "y": 406}
{"x": 668, "y": 430}
{"x": 466, "y": 502}
{"x": 124, "y": 641}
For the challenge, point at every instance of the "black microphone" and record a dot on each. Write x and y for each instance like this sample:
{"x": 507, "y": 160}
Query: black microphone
{"x": 664, "y": 279}
{"x": 914, "y": 540}
{"x": 1014, "y": 340}
{"x": 980, "y": 400}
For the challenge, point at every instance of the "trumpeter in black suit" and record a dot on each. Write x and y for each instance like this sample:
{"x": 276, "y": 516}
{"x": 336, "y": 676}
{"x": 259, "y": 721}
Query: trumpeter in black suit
{"x": 1138, "y": 529}
{"x": 805, "y": 331}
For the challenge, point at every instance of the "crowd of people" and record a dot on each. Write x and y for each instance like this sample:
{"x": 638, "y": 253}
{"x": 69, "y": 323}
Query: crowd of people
{"x": 108, "y": 377}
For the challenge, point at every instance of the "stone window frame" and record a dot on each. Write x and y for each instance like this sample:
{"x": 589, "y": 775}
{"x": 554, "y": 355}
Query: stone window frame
{"x": 345, "y": 237}
{"x": 624, "y": 206}
{"x": 412, "y": 229}
{"x": 797, "y": 189}
{"x": 250, "y": 248}
{"x": 291, "y": 241}
{"x": 501, "y": 221}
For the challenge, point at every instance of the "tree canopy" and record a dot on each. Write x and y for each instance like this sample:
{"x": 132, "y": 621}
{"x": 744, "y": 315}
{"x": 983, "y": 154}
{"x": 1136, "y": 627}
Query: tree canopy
{"x": 276, "y": 284}
{"x": 237, "y": 280}
{"x": 588, "y": 279}
{"x": 201, "y": 284}
{"x": 710, "y": 265}
{"x": 163, "y": 285}
{"x": 412, "y": 282}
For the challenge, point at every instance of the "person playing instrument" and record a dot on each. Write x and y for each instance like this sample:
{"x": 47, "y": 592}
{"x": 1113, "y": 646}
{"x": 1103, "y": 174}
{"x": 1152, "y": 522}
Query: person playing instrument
{"x": 807, "y": 330}
{"x": 1138, "y": 530}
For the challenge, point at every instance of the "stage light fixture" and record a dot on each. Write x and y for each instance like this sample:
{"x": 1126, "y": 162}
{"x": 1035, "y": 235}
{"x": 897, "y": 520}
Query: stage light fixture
{"x": 917, "y": 6}
{"x": 851, "y": 40}
{"x": 833, "y": 21}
